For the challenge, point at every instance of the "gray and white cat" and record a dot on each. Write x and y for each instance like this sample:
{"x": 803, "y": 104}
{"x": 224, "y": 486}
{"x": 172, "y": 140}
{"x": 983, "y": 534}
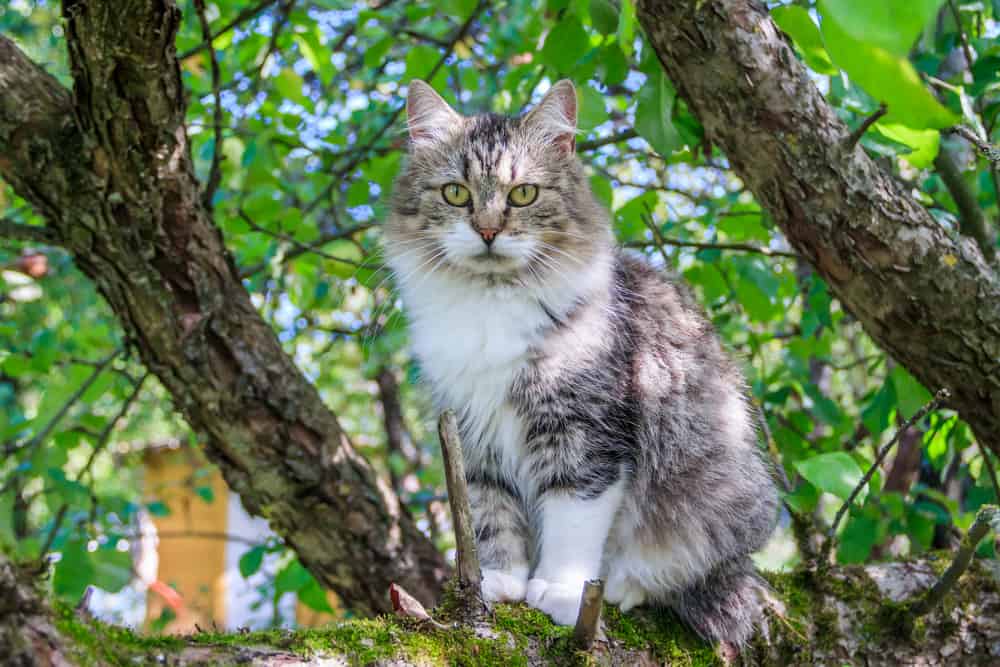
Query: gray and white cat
{"x": 606, "y": 432}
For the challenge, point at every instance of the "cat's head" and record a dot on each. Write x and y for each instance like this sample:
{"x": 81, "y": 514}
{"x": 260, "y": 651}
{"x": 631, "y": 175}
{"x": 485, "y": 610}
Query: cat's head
{"x": 493, "y": 198}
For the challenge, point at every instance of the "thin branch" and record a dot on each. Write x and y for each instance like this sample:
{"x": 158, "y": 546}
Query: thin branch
{"x": 624, "y": 135}
{"x": 987, "y": 517}
{"x": 988, "y": 151}
{"x": 831, "y": 536}
{"x": 303, "y": 247}
{"x": 246, "y": 15}
{"x": 985, "y": 452}
{"x": 971, "y": 220}
{"x": 361, "y": 153}
{"x": 16, "y": 231}
{"x": 102, "y": 442}
{"x": 647, "y": 218}
{"x": 854, "y": 137}
{"x": 466, "y": 558}
{"x": 735, "y": 247}
{"x": 589, "y": 618}
{"x": 214, "y": 173}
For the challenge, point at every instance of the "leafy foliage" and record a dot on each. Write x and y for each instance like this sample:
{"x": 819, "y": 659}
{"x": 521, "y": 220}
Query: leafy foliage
{"x": 310, "y": 140}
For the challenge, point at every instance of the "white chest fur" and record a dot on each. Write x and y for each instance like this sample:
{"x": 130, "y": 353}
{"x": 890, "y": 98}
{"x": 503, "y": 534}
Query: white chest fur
{"x": 472, "y": 340}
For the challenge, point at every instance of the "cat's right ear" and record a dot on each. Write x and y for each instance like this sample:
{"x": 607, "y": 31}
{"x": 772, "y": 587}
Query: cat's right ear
{"x": 428, "y": 116}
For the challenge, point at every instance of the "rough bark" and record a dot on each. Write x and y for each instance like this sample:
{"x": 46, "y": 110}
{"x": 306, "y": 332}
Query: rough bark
{"x": 857, "y": 615}
{"x": 109, "y": 168}
{"x": 926, "y": 295}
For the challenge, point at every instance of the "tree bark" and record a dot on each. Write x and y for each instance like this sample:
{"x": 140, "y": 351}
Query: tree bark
{"x": 857, "y": 615}
{"x": 109, "y": 168}
{"x": 923, "y": 293}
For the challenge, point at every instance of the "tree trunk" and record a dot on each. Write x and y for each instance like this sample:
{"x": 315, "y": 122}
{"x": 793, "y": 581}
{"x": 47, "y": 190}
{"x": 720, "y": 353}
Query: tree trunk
{"x": 109, "y": 168}
{"x": 924, "y": 294}
{"x": 857, "y": 616}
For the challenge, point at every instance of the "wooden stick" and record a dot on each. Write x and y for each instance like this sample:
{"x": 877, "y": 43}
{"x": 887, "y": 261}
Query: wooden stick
{"x": 589, "y": 618}
{"x": 466, "y": 558}
{"x": 987, "y": 517}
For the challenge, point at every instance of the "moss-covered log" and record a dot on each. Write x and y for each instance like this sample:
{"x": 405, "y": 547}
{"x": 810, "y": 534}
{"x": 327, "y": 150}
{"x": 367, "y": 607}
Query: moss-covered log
{"x": 853, "y": 615}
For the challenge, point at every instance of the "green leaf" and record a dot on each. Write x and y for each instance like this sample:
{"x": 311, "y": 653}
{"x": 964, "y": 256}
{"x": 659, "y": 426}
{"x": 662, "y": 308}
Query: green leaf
{"x": 291, "y": 578}
{"x": 923, "y": 144}
{"x": 289, "y": 85}
{"x": 833, "y": 472}
{"x": 565, "y": 45}
{"x": 604, "y": 16}
{"x": 652, "y": 115}
{"x": 890, "y": 25}
{"x": 910, "y": 394}
{"x": 313, "y": 596}
{"x": 251, "y": 561}
{"x": 796, "y": 21}
{"x": 860, "y": 535}
{"x": 105, "y": 568}
{"x": 591, "y": 112}
{"x": 420, "y": 60}
{"x": 885, "y": 77}
{"x": 205, "y": 493}
{"x": 626, "y": 27}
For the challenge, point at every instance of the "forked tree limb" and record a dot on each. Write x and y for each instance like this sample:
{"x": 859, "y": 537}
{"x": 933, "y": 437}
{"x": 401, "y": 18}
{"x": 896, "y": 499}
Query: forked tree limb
{"x": 109, "y": 168}
{"x": 926, "y": 295}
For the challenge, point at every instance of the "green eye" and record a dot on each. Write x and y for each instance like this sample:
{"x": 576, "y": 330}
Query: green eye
{"x": 455, "y": 194}
{"x": 523, "y": 195}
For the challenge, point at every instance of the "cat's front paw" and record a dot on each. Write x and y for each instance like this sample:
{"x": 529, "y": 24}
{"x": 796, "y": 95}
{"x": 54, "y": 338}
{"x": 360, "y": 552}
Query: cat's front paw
{"x": 624, "y": 591}
{"x": 560, "y": 601}
{"x": 502, "y": 586}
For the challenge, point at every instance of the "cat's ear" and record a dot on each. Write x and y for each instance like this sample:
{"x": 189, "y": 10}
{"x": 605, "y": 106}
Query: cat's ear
{"x": 555, "y": 117}
{"x": 428, "y": 116}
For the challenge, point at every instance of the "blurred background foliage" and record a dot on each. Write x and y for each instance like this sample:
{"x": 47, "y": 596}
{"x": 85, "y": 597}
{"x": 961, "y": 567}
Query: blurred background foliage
{"x": 296, "y": 111}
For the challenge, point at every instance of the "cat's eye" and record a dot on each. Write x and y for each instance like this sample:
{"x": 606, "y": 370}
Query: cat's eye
{"x": 523, "y": 195}
{"x": 456, "y": 194}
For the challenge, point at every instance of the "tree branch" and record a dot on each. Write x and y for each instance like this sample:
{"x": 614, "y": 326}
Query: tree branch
{"x": 109, "y": 168}
{"x": 214, "y": 172}
{"x": 16, "y": 231}
{"x": 971, "y": 220}
{"x": 831, "y": 536}
{"x": 927, "y": 297}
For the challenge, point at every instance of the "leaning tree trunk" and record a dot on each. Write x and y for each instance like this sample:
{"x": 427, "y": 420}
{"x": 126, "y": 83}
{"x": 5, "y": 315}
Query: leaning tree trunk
{"x": 925, "y": 295}
{"x": 108, "y": 165}
{"x": 856, "y": 615}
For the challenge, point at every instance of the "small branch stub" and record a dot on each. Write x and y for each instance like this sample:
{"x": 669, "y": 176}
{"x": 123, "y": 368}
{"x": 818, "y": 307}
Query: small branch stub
{"x": 588, "y": 621}
{"x": 466, "y": 557}
{"x": 987, "y": 517}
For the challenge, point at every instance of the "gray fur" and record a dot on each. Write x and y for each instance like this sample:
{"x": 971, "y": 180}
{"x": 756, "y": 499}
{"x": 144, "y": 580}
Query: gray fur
{"x": 627, "y": 384}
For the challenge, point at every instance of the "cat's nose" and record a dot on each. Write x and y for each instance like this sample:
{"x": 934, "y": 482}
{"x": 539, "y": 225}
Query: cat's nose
{"x": 488, "y": 234}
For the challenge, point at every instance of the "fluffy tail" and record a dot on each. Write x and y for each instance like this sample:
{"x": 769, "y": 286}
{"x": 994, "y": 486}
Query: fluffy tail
{"x": 727, "y": 605}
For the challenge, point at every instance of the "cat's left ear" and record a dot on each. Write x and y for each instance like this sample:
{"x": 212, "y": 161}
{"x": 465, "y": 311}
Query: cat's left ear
{"x": 555, "y": 116}
{"x": 428, "y": 116}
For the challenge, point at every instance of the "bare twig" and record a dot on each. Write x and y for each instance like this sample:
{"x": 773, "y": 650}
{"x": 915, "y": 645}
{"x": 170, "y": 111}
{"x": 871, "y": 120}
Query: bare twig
{"x": 988, "y": 151}
{"x": 467, "y": 558}
{"x": 831, "y": 537}
{"x": 985, "y": 452}
{"x": 214, "y": 173}
{"x": 102, "y": 442}
{"x": 735, "y": 247}
{"x": 971, "y": 219}
{"x": 16, "y": 231}
{"x": 589, "y": 619}
{"x": 246, "y": 15}
{"x": 618, "y": 137}
{"x": 303, "y": 248}
{"x": 299, "y": 245}
{"x": 987, "y": 517}
{"x": 854, "y": 137}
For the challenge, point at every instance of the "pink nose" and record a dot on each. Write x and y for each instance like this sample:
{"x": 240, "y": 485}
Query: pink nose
{"x": 488, "y": 234}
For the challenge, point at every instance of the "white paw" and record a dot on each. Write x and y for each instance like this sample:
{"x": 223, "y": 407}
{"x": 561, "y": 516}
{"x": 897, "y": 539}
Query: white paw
{"x": 501, "y": 586}
{"x": 560, "y": 601}
{"x": 624, "y": 592}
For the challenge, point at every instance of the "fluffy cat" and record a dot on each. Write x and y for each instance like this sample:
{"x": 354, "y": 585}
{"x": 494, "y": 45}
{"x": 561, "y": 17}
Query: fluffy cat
{"x": 606, "y": 432}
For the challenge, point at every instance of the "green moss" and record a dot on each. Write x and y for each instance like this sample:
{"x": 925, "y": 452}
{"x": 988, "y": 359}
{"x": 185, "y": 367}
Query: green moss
{"x": 671, "y": 640}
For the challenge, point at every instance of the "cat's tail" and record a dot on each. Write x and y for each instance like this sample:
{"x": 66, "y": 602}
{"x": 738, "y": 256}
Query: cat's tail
{"x": 727, "y": 605}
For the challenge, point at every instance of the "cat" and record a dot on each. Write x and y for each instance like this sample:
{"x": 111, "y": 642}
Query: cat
{"x": 605, "y": 430}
